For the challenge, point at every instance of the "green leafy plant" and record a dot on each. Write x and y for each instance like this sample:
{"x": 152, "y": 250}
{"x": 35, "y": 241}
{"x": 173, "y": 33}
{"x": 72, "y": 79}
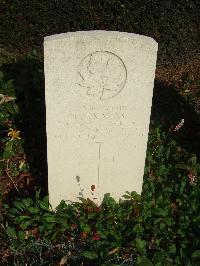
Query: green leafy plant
{"x": 159, "y": 227}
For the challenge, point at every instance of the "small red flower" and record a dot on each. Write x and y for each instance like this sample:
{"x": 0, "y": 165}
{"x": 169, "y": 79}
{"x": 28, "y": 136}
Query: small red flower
{"x": 92, "y": 187}
{"x": 83, "y": 235}
{"x": 96, "y": 236}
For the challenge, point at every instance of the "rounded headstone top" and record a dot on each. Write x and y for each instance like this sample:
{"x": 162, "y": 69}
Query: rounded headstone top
{"x": 100, "y": 33}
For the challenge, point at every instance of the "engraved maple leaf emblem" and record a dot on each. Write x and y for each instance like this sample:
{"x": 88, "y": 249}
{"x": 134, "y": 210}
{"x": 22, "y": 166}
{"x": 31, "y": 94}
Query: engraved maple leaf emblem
{"x": 103, "y": 74}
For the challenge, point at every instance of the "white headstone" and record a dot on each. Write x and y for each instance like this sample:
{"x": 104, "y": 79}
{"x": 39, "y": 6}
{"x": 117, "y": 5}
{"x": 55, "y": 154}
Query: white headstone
{"x": 99, "y": 87}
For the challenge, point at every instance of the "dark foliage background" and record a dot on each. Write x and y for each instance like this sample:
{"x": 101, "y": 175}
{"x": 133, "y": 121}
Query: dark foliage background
{"x": 173, "y": 24}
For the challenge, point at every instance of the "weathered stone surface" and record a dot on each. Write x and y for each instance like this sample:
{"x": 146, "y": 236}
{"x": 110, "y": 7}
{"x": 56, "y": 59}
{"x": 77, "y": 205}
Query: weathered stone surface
{"x": 99, "y": 88}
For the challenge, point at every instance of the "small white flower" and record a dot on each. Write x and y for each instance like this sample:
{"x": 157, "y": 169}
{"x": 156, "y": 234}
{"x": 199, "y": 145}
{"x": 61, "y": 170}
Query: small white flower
{"x": 192, "y": 178}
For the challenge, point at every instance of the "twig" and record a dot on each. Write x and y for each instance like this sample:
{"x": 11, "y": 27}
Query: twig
{"x": 113, "y": 251}
{"x": 7, "y": 172}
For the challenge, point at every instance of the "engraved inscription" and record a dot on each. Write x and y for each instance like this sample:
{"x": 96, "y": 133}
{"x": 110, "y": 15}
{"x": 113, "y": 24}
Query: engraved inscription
{"x": 101, "y": 123}
{"x": 102, "y": 74}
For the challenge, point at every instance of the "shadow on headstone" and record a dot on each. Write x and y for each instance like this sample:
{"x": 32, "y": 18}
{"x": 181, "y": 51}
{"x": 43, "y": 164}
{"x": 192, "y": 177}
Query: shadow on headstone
{"x": 168, "y": 108}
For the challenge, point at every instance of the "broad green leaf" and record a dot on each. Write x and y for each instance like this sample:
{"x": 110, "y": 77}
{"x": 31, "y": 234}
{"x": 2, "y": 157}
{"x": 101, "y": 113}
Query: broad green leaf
{"x": 44, "y": 204}
{"x": 159, "y": 264}
{"x": 9, "y": 90}
{"x": 138, "y": 228}
{"x": 143, "y": 261}
{"x": 182, "y": 166}
{"x": 41, "y": 228}
{"x": 196, "y": 254}
{"x": 50, "y": 219}
{"x": 25, "y": 224}
{"x": 27, "y": 202}
{"x": 126, "y": 196}
{"x": 22, "y": 218}
{"x": 135, "y": 195}
{"x": 37, "y": 195}
{"x": 91, "y": 255}
{"x": 177, "y": 260}
{"x": 85, "y": 227}
{"x": 10, "y": 108}
{"x": 11, "y": 232}
{"x": 106, "y": 197}
{"x": 172, "y": 249}
{"x": 16, "y": 211}
{"x": 158, "y": 257}
{"x": 33, "y": 210}
{"x": 8, "y": 152}
{"x": 49, "y": 226}
{"x": 21, "y": 235}
{"x": 140, "y": 244}
{"x": 19, "y": 205}
{"x": 3, "y": 116}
